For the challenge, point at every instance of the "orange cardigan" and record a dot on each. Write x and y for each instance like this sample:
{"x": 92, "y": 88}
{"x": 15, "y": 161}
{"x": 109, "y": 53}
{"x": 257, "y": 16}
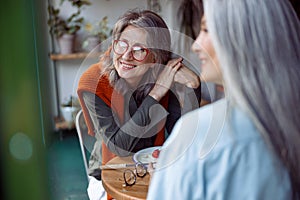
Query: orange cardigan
{"x": 91, "y": 81}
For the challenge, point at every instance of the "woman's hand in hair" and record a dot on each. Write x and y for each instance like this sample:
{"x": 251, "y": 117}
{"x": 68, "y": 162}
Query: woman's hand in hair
{"x": 187, "y": 77}
{"x": 165, "y": 79}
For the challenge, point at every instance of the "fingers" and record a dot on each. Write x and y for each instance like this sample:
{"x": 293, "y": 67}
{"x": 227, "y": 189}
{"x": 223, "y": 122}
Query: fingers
{"x": 177, "y": 66}
{"x": 171, "y": 70}
{"x": 187, "y": 77}
{"x": 165, "y": 79}
{"x": 172, "y": 63}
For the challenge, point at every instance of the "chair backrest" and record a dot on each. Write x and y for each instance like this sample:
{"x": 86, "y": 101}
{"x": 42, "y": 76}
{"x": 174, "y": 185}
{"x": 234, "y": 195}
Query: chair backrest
{"x": 86, "y": 141}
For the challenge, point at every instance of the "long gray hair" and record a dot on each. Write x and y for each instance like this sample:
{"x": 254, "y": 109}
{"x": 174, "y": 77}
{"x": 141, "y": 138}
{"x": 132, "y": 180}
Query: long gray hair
{"x": 158, "y": 40}
{"x": 258, "y": 45}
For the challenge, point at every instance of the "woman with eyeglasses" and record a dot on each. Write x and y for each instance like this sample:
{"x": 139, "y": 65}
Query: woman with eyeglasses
{"x": 129, "y": 98}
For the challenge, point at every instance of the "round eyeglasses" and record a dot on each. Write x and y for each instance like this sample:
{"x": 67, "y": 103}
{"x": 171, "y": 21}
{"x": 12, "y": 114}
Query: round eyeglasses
{"x": 130, "y": 176}
{"x": 138, "y": 53}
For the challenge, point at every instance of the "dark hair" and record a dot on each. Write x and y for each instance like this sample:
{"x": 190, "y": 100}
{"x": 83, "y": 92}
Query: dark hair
{"x": 189, "y": 14}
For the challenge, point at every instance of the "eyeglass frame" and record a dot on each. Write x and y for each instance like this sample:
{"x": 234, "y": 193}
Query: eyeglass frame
{"x": 134, "y": 173}
{"x": 144, "y": 48}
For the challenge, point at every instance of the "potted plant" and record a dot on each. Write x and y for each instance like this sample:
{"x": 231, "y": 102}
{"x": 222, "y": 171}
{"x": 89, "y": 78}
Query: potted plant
{"x": 65, "y": 29}
{"x": 69, "y": 108}
{"x": 96, "y": 33}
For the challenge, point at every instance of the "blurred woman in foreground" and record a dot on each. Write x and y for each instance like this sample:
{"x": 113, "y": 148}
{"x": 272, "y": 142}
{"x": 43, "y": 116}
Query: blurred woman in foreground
{"x": 245, "y": 146}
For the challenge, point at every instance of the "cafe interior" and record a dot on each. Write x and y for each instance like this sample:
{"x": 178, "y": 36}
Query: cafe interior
{"x": 44, "y": 146}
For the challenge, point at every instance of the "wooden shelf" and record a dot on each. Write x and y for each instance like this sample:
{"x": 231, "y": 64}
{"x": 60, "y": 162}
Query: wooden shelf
{"x": 73, "y": 56}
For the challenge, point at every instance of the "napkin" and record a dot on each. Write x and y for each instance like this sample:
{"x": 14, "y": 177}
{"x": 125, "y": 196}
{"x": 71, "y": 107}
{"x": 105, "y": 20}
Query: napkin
{"x": 95, "y": 189}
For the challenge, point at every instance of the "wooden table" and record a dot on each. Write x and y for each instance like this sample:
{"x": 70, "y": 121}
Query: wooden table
{"x": 112, "y": 180}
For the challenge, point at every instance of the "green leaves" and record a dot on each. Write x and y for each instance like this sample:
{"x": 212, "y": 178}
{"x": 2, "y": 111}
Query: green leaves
{"x": 59, "y": 26}
{"x": 99, "y": 29}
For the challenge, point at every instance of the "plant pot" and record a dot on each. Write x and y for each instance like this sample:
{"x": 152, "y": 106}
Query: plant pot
{"x": 66, "y": 43}
{"x": 91, "y": 44}
{"x": 69, "y": 113}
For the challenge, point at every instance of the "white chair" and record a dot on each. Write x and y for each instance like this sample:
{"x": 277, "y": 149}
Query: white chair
{"x": 86, "y": 141}
{"x": 95, "y": 188}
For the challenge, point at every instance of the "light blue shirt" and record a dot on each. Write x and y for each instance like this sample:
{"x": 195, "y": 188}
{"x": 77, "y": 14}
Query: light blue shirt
{"x": 212, "y": 154}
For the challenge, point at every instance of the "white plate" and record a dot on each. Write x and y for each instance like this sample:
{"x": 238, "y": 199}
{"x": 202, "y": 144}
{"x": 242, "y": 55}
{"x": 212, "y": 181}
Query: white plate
{"x": 145, "y": 155}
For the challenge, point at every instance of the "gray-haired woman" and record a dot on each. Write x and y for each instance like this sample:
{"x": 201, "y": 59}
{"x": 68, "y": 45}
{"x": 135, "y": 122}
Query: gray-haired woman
{"x": 245, "y": 146}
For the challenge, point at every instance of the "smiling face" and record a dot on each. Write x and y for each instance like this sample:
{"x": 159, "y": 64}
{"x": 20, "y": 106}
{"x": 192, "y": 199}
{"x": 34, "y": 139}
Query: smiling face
{"x": 203, "y": 47}
{"x": 126, "y": 65}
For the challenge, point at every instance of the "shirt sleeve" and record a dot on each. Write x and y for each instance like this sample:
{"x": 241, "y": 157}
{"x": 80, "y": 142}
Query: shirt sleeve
{"x": 137, "y": 133}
